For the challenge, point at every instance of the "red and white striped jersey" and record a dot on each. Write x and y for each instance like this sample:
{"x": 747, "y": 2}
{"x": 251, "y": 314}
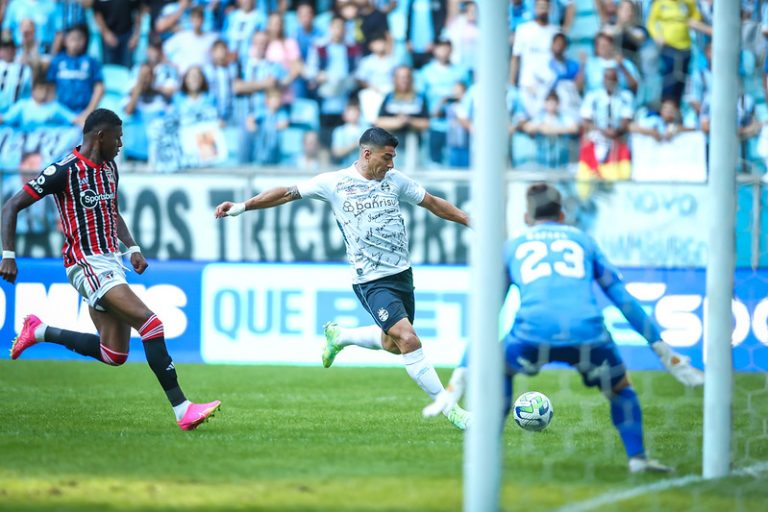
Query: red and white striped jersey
{"x": 86, "y": 196}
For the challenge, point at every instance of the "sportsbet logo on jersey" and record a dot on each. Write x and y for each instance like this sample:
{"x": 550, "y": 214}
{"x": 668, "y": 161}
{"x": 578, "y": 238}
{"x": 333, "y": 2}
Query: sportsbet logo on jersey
{"x": 89, "y": 198}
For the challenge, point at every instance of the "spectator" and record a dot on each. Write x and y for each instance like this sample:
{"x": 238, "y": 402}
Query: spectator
{"x": 258, "y": 75}
{"x": 533, "y": 41}
{"x": 42, "y": 13}
{"x": 309, "y": 159}
{"x": 464, "y": 34}
{"x": 373, "y": 23}
{"x": 77, "y": 76}
{"x": 668, "y": 24}
{"x": 347, "y": 10}
{"x": 144, "y": 104}
{"x": 190, "y": 47}
{"x": 374, "y": 78}
{"x": 553, "y": 131}
{"x": 561, "y": 14}
{"x": 424, "y": 24}
{"x": 517, "y": 14}
{"x": 345, "y": 145}
{"x": 436, "y": 80}
{"x": 39, "y": 110}
{"x": 239, "y": 27}
{"x": 403, "y": 110}
{"x": 261, "y": 138}
{"x": 176, "y": 16}
{"x": 457, "y": 136}
{"x": 145, "y": 101}
{"x": 665, "y": 125}
{"x": 31, "y": 53}
{"x": 747, "y": 124}
{"x": 193, "y": 103}
{"x": 607, "y": 11}
{"x": 628, "y": 35}
{"x": 73, "y": 12}
{"x": 307, "y": 34}
{"x": 15, "y": 77}
{"x": 560, "y": 75}
{"x": 329, "y": 71}
{"x": 284, "y": 51}
{"x": 606, "y": 115}
{"x": 221, "y": 75}
{"x": 606, "y": 57}
{"x": 165, "y": 75}
{"x": 119, "y": 22}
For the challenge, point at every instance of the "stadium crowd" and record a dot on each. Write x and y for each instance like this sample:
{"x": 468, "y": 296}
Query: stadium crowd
{"x": 295, "y": 82}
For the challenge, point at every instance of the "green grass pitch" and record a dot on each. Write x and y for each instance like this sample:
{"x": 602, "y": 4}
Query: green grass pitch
{"x": 83, "y": 436}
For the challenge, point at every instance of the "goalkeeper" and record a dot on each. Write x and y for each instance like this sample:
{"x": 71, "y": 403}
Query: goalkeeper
{"x": 555, "y": 268}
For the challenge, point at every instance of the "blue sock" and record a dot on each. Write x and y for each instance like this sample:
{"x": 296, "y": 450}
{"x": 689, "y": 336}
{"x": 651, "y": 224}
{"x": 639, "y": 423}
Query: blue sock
{"x": 628, "y": 420}
{"x": 507, "y": 395}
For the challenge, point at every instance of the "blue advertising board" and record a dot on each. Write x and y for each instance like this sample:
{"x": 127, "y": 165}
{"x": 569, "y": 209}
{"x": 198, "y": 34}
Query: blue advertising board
{"x": 264, "y": 313}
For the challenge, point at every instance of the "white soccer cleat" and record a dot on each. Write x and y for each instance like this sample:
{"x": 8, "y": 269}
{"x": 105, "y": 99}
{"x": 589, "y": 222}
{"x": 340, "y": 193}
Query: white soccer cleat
{"x": 643, "y": 465}
{"x": 443, "y": 402}
{"x": 678, "y": 365}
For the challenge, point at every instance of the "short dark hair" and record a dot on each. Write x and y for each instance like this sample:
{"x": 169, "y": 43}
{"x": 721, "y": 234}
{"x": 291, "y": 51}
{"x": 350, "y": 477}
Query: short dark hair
{"x": 378, "y": 137}
{"x": 543, "y": 202}
{"x": 100, "y": 118}
{"x": 83, "y": 29}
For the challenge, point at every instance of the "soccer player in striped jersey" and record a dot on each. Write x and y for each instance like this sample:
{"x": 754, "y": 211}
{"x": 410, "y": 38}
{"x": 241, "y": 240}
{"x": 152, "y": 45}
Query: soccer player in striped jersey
{"x": 556, "y": 267}
{"x": 84, "y": 186}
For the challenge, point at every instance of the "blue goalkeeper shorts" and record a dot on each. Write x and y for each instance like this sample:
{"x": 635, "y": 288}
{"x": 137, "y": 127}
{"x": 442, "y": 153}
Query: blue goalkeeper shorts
{"x": 600, "y": 365}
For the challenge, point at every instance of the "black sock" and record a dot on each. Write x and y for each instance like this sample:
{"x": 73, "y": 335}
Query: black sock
{"x": 162, "y": 364}
{"x": 83, "y": 343}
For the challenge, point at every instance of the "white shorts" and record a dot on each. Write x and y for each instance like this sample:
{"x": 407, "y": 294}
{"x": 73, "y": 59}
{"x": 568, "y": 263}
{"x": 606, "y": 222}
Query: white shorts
{"x": 94, "y": 276}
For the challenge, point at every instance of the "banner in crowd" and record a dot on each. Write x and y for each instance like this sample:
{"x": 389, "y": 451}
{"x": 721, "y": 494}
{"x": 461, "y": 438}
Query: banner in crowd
{"x": 33, "y": 150}
{"x": 274, "y": 313}
{"x": 171, "y": 217}
{"x": 174, "y": 144}
{"x": 683, "y": 158}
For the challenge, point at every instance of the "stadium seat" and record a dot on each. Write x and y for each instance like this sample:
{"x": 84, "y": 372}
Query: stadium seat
{"x": 291, "y": 143}
{"x": 305, "y": 113}
{"x": 117, "y": 79}
{"x": 523, "y": 150}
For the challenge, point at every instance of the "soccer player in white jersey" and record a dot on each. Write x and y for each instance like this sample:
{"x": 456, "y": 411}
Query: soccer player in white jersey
{"x": 365, "y": 199}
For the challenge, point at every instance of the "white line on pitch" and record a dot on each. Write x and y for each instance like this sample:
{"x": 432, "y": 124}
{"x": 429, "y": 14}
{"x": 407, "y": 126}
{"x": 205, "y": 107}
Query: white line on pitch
{"x": 663, "y": 485}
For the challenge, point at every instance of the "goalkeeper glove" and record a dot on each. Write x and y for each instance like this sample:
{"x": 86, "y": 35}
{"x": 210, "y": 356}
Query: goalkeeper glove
{"x": 678, "y": 365}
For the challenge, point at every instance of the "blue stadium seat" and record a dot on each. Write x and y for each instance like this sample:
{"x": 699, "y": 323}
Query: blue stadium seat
{"x": 117, "y": 79}
{"x": 291, "y": 143}
{"x": 305, "y": 113}
{"x": 113, "y": 102}
{"x": 523, "y": 149}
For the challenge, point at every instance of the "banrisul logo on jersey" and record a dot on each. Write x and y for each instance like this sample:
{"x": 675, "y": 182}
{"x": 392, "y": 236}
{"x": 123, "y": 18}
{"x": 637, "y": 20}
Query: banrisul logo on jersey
{"x": 367, "y": 204}
{"x": 89, "y": 198}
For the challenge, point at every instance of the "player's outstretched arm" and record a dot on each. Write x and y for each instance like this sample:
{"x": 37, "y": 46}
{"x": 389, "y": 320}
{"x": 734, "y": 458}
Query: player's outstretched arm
{"x": 444, "y": 209}
{"x": 11, "y": 209}
{"x": 267, "y": 199}
{"x": 676, "y": 364}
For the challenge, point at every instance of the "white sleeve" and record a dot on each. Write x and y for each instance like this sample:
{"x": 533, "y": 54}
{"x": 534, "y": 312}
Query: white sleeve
{"x": 409, "y": 190}
{"x": 318, "y": 187}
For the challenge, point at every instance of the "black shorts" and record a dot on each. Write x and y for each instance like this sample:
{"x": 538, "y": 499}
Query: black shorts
{"x": 389, "y": 299}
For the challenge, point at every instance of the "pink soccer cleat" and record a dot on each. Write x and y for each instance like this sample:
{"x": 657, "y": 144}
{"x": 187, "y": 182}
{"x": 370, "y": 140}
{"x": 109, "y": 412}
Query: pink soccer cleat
{"x": 26, "y": 337}
{"x": 197, "y": 414}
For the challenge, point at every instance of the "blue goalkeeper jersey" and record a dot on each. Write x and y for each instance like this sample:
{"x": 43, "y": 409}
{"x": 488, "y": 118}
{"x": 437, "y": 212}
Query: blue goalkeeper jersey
{"x": 555, "y": 268}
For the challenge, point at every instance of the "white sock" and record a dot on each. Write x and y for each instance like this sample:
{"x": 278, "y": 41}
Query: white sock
{"x": 181, "y": 409}
{"x": 40, "y": 332}
{"x": 423, "y": 373}
{"x": 366, "y": 337}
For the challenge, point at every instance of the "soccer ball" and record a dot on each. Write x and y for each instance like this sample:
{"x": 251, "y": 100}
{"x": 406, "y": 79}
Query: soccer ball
{"x": 533, "y": 411}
